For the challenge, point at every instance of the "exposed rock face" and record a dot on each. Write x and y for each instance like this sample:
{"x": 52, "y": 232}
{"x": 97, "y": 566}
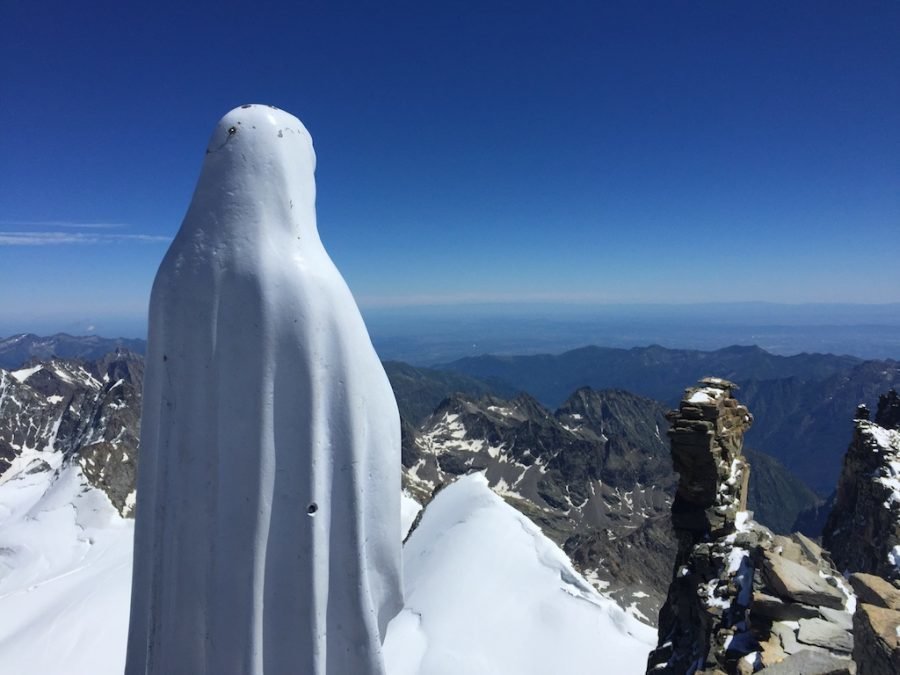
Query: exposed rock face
{"x": 811, "y": 663}
{"x": 741, "y": 599}
{"x": 707, "y": 433}
{"x": 793, "y": 577}
{"x": 877, "y": 650}
{"x": 801, "y": 610}
{"x": 874, "y": 590}
{"x": 108, "y": 453}
{"x": 876, "y": 625}
{"x": 87, "y": 410}
{"x": 863, "y": 530}
{"x": 888, "y": 414}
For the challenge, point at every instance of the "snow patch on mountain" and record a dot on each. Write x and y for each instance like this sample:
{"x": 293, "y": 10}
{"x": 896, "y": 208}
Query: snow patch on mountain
{"x": 25, "y": 373}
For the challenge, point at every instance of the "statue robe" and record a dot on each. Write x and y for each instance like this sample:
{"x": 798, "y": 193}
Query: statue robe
{"x": 268, "y": 507}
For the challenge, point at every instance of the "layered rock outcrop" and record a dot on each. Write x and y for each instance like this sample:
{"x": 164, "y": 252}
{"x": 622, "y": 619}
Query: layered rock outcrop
{"x": 876, "y": 625}
{"x": 863, "y": 532}
{"x": 707, "y": 598}
{"x": 742, "y": 599}
{"x": 707, "y": 433}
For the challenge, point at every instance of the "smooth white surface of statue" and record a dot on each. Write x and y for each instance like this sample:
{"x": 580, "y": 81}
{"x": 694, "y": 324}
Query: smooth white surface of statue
{"x": 268, "y": 502}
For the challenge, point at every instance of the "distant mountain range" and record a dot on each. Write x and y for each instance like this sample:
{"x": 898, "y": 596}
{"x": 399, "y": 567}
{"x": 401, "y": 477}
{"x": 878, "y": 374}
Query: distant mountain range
{"x": 429, "y": 335}
{"x": 801, "y": 403}
{"x": 654, "y": 371}
{"x": 17, "y": 350}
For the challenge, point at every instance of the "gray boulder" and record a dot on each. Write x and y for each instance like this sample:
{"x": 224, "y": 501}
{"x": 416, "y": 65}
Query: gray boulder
{"x": 875, "y": 590}
{"x": 810, "y": 662}
{"x": 800, "y": 583}
{"x": 825, "y": 634}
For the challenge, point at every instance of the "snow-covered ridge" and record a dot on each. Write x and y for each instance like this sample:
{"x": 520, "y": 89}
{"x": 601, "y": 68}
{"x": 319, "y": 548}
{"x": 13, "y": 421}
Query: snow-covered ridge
{"x": 72, "y": 407}
{"x": 518, "y": 607}
{"x": 65, "y": 571}
{"x": 487, "y": 592}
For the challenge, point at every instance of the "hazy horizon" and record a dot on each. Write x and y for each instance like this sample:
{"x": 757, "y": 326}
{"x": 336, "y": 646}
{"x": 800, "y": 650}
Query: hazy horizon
{"x": 429, "y": 335}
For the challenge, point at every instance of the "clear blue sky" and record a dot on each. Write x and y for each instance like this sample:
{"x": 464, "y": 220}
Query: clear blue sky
{"x": 467, "y": 152}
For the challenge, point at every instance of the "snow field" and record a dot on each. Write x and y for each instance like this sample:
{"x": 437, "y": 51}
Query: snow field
{"x": 486, "y": 591}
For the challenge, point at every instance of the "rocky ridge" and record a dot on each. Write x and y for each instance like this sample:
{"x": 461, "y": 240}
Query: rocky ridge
{"x": 88, "y": 411}
{"x": 863, "y": 532}
{"x": 863, "y": 529}
{"x": 742, "y": 599}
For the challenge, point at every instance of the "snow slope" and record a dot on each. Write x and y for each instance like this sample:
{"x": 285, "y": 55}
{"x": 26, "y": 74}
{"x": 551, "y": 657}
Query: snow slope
{"x": 409, "y": 509}
{"x": 488, "y": 594}
{"x": 65, "y": 571}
